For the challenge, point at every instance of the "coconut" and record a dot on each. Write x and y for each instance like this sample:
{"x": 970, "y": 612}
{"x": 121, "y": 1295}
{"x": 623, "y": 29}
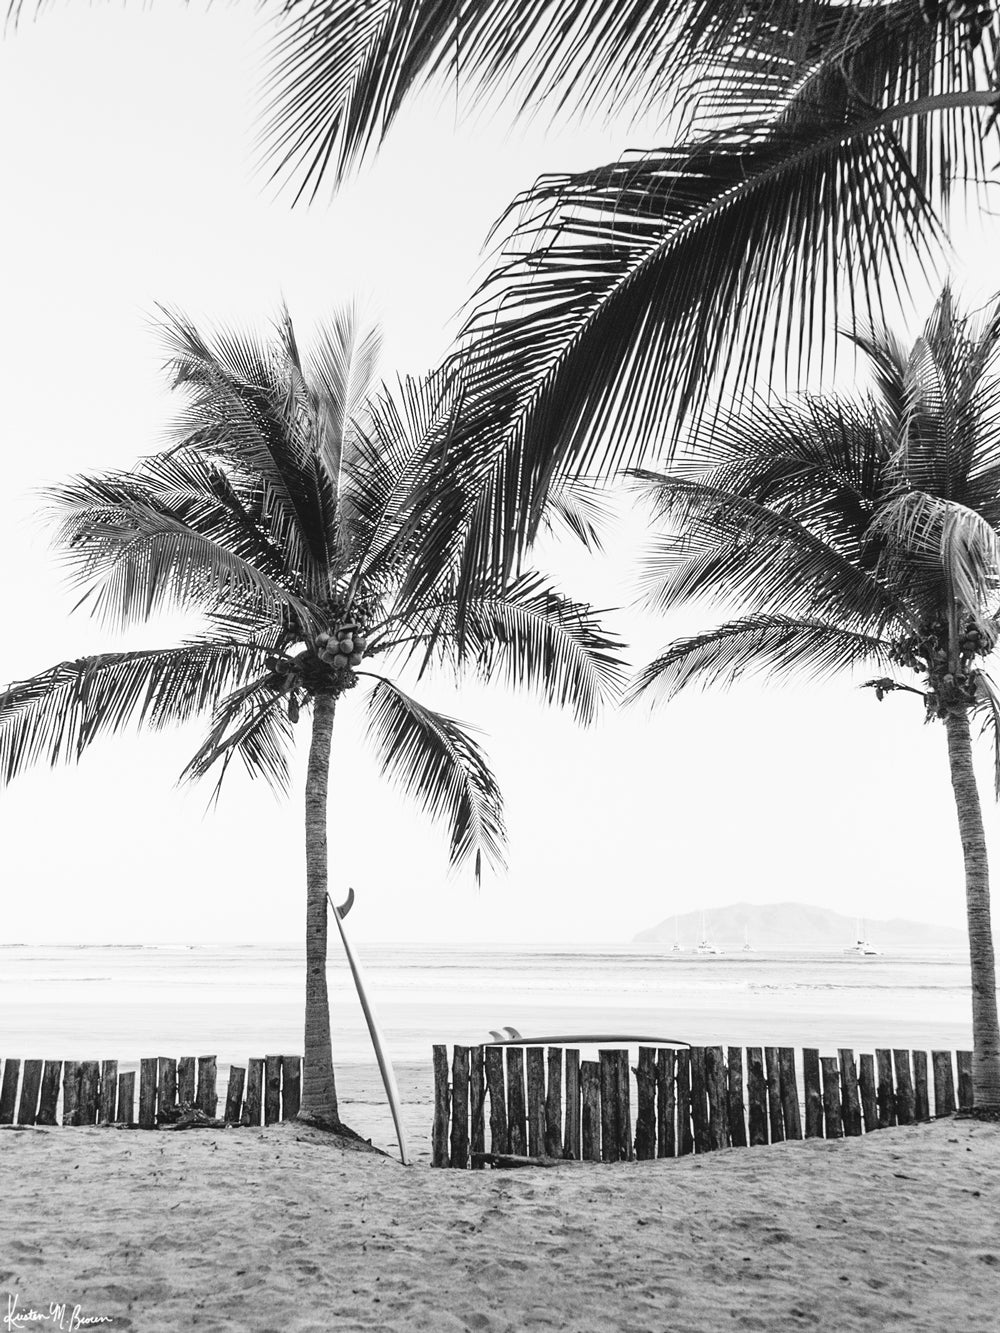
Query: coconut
{"x": 339, "y": 660}
{"x": 323, "y": 639}
{"x": 360, "y": 643}
{"x": 355, "y": 659}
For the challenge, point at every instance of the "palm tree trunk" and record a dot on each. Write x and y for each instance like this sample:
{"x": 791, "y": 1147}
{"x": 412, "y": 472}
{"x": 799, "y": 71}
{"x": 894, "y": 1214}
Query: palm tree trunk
{"x": 319, "y": 1089}
{"x": 985, "y": 1031}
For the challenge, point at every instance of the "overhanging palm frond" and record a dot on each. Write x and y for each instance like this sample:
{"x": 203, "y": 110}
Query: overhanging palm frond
{"x": 775, "y": 645}
{"x": 434, "y": 759}
{"x": 988, "y": 702}
{"x": 944, "y": 539}
{"x": 253, "y": 722}
{"x": 56, "y": 715}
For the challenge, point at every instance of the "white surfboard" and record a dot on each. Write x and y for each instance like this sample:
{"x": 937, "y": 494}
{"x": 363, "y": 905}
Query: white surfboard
{"x": 381, "y": 1054}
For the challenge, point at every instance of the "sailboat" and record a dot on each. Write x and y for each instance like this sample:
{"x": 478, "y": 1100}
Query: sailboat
{"x": 746, "y": 940}
{"x": 676, "y": 947}
{"x": 706, "y": 945}
{"x": 861, "y": 947}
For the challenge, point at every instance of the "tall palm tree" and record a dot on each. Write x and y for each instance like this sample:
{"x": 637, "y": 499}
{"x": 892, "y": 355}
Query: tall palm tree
{"x": 819, "y": 144}
{"x": 858, "y": 534}
{"x": 284, "y": 516}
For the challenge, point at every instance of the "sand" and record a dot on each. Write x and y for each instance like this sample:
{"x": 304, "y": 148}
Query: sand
{"x": 279, "y": 1229}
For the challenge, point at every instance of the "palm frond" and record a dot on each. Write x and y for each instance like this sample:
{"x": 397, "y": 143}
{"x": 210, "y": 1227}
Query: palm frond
{"x": 988, "y": 702}
{"x": 945, "y": 540}
{"x": 252, "y": 723}
{"x": 433, "y": 758}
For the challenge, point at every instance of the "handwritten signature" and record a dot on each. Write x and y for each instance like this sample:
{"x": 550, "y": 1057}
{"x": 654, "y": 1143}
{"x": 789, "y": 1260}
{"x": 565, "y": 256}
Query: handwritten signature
{"x": 65, "y": 1317}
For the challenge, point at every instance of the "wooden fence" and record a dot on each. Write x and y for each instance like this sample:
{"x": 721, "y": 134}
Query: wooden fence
{"x": 92, "y": 1092}
{"x": 550, "y": 1103}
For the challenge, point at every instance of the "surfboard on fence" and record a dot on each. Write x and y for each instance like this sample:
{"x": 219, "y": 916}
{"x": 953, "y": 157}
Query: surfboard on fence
{"x": 381, "y": 1054}
{"x": 514, "y": 1038}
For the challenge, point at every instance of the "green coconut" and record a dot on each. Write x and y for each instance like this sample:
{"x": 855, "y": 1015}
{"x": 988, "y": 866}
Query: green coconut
{"x": 340, "y": 660}
{"x": 355, "y": 659}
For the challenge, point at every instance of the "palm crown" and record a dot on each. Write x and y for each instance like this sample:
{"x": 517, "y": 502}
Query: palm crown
{"x": 857, "y": 534}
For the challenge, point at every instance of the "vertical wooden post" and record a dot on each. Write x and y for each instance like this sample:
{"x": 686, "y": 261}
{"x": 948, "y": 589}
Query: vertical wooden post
{"x": 535, "y": 1061}
{"x": 966, "y": 1099}
{"x": 31, "y": 1083}
{"x": 789, "y": 1093}
{"x": 813, "y": 1092}
{"x": 477, "y": 1105}
{"x": 645, "y": 1099}
{"x": 147, "y": 1094}
{"x": 253, "y": 1105}
{"x": 832, "y": 1110}
{"x": 756, "y": 1096}
{"x": 516, "y": 1113}
{"x": 734, "y": 1097}
{"x": 850, "y": 1099}
{"x": 608, "y": 1061}
{"x": 886, "y": 1094}
{"x": 590, "y": 1098}
{"x": 498, "y": 1099}
{"x": 272, "y": 1089}
{"x": 439, "y": 1132}
{"x": 626, "y": 1152}
{"x": 166, "y": 1098}
{"x": 666, "y": 1139}
{"x": 291, "y": 1086}
{"x": 944, "y": 1083}
{"x": 208, "y": 1098}
{"x": 571, "y": 1133}
{"x": 458, "y": 1156}
{"x": 866, "y": 1084}
{"x": 685, "y": 1138}
{"x": 109, "y": 1090}
{"x": 921, "y": 1096}
{"x": 90, "y": 1086}
{"x": 234, "y": 1094}
{"x": 71, "y": 1093}
{"x": 553, "y": 1104}
{"x": 185, "y": 1082}
{"x": 8, "y": 1091}
{"x": 125, "y": 1110}
{"x": 715, "y": 1086}
{"x": 49, "y": 1098}
{"x": 699, "y": 1099}
{"x": 904, "y": 1088}
{"x": 772, "y": 1065}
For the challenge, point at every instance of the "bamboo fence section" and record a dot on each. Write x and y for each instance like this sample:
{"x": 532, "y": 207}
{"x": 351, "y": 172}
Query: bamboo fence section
{"x": 170, "y": 1092}
{"x": 549, "y": 1105}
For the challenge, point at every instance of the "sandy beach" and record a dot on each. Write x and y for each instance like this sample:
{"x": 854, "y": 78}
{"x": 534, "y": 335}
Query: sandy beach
{"x": 281, "y": 1229}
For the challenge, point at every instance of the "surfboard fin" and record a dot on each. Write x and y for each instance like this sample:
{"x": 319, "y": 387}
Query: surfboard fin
{"x": 345, "y": 906}
{"x": 513, "y": 1034}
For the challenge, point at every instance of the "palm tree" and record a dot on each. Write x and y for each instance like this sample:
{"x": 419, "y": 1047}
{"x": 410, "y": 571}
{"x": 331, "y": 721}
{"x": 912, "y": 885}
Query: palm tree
{"x": 857, "y": 535}
{"x": 819, "y": 145}
{"x": 284, "y": 516}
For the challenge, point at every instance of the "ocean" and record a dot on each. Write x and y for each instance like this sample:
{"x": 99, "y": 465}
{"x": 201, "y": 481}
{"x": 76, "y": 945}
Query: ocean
{"x": 235, "y": 1001}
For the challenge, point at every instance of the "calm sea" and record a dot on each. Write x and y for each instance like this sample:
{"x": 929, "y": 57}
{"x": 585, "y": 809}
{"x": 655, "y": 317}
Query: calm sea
{"x": 125, "y": 1002}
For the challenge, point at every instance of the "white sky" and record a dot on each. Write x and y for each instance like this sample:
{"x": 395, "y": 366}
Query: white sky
{"x": 127, "y": 179}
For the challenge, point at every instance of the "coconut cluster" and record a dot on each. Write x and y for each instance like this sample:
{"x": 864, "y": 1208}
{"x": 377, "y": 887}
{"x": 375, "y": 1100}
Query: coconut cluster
{"x": 345, "y": 647}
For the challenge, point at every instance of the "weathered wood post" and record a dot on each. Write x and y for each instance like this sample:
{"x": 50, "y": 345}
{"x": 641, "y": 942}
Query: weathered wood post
{"x": 867, "y": 1088}
{"x": 789, "y": 1093}
{"x": 850, "y": 1096}
{"x": 90, "y": 1088}
{"x": 8, "y": 1091}
{"x": 109, "y": 1089}
{"x": 666, "y": 1139}
{"x": 571, "y": 1133}
{"x": 813, "y": 1092}
{"x": 886, "y": 1093}
{"x": 734, "y": 1097}
{"x": 253, "y": 1105}
{"x": 71, "y": 1093}
{"x": 185, "y": 1081}
{"x": 626, "y": 1152}
{"x": 685, "y": 1138}
{"x": 590, "y": 1097}
{"x": 31, "y": 1083}
{"x": 234, "y": 1094}
{"x": 966, "y": 1099}
{"x": 477, "y": 1106}
{"x": 166, "y": 1097}
{"x": 921, "y": 1097}
{"x": 553, "y": 1104}
{"x": 272, "y": 1089}
{"x": 904, "y": 1088}
{"x": 699, "y": 1099}
{"x": 756, "y": 1096}
{"x": 48, "y": 1099}
{"x": 125, "y": 1110}
{"x": 774, "y": 1113}
{"x": 536, "y": 1100}
{"x": 291, "y": 1086}
{"x": 715, "y": 1086}
{"x": 832, "y": 1110}
{"x": 207, "y": 1097}
{"x": 459, "y": 1146}
{"x": 147, "y": 1093}
{"x": 610, "y": 1147}
{"x": 516, "y": 1111}
{"x": 944, "y": 1083}
{"x": 499, "y": 1141}
{"x": 645, "y": 1098}
{"x": 439, "y": 1131}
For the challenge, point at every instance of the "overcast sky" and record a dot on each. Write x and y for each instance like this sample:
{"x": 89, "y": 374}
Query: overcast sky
{"x": 126, "y": 162}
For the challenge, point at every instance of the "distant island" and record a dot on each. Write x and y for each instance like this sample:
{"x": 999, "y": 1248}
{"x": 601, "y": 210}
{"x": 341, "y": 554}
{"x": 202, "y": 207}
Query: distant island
{"x": 795, "y": 926}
